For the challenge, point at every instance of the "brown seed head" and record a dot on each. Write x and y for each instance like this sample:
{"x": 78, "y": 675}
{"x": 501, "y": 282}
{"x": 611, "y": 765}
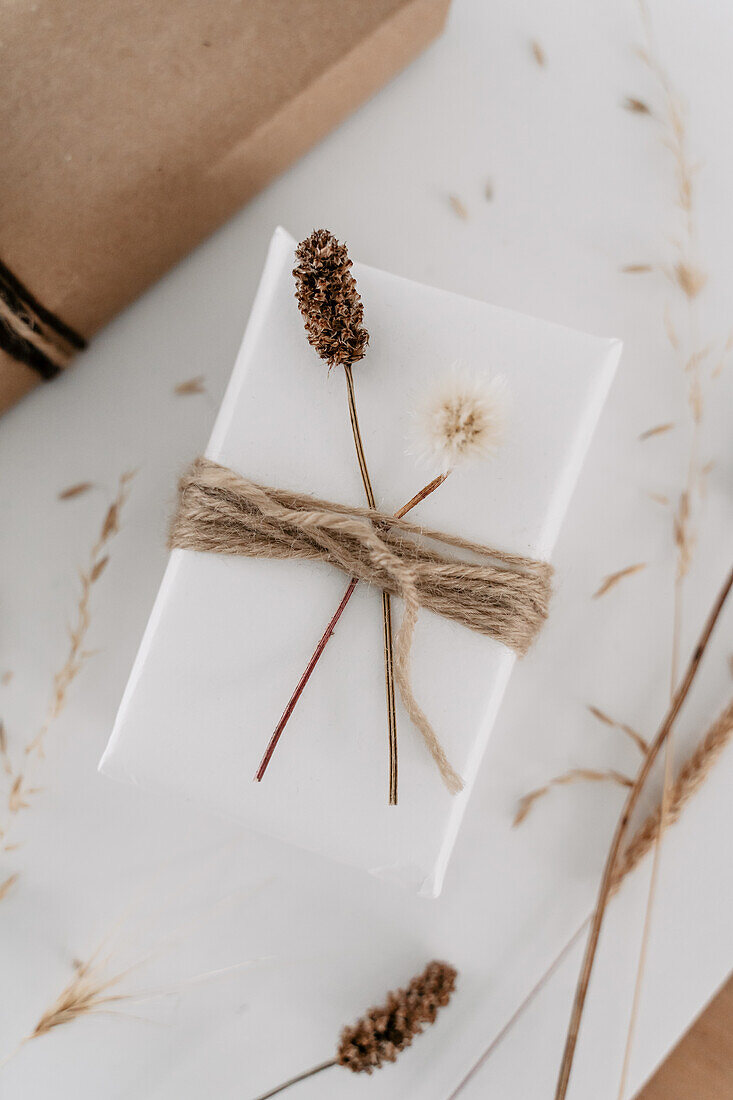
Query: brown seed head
{"x": 328, "y": 299}
{"x": 384, "y": 1031}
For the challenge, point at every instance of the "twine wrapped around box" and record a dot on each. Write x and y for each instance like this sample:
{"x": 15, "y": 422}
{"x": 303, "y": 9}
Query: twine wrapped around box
{"x": 505, "y": 597}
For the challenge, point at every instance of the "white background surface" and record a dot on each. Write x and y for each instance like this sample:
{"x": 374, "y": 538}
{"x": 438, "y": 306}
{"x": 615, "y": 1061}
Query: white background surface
{"x": 581, "y": 187}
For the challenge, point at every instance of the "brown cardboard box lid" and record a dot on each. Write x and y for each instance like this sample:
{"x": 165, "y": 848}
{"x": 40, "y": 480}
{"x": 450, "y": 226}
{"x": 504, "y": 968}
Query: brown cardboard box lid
{"x": 132, "y": 129}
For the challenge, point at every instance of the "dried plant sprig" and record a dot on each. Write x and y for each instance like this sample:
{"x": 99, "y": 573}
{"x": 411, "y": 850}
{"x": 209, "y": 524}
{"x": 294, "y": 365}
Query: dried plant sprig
{"x": 77, "y": 490}
{"x": 475, "y": 424}
{"x": 91, "y": 985}
{"x": 463, "y": 418}
{"x": 326, "y": 636}
{"x": 19, "y": 788}
{"x": 538, "y": 52}
{"x": 4, "y": 754}
{"x": 575, "y": 775}
{"x": 690, "y": 778}
{"x": 383, "y": 1032}
{"x": 612, "y": 579}
{"x": 622, "y": 827}
{"x": 690, "y": 279}
{"x": 87, "y": 991}
{"x": 641, "y": 743}
{"x": 458, "y": 207}
{"x": 579, "y": 775}
{"x": 636, "y": 106}
{"x": 659, "y": 429}
{"x": 329, "y": 300}
{"x": 76, "y": 655}
{"x": 333, "y": 314}
{"x": 190, "y": 387}
{"x": 7, "y": 885}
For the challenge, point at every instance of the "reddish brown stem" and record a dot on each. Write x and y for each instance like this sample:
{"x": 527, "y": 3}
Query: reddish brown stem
{"x": 318, "y": 651}
{"x": 304, "y": 679}
{"x": 607, "y": 881}
{"x": 424, "y": 492}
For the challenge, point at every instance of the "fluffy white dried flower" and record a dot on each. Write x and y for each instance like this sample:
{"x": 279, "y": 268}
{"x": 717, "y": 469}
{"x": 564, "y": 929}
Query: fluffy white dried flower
{"x": 464, "y": 418}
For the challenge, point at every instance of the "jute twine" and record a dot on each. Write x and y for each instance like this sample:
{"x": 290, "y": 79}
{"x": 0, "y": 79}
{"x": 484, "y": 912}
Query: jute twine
{"x": 505, "y": 597}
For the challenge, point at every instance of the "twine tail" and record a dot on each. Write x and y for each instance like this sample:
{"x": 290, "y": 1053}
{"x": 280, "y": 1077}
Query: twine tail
{"x": 450, "y": 776}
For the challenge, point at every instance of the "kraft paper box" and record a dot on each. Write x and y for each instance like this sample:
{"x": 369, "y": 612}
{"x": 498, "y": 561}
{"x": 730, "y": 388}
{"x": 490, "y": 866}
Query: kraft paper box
{"x": 130, "y": 131}
{"x": 229, "y": 637}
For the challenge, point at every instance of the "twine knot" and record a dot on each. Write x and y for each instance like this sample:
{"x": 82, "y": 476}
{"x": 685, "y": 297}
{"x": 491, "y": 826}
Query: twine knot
{"x": 505, "y": 596}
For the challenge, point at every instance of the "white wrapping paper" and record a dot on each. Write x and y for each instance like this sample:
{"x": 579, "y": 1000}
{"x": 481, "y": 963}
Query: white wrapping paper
{"x": 228, "y": 638}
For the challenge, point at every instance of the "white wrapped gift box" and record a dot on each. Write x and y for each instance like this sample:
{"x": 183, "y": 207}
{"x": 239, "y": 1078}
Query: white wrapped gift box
{"x": 228, "y": 638}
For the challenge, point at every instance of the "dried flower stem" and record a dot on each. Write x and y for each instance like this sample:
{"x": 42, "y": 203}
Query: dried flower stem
{"x": 386, "y": 598}
{"x": 89, "y": 989}
{"x": 575, "y": 775}
{"x": 323, "y": 641}
{"x": 690, "y": 778}
{"x": 609, "y": 872}
{"x": 272, "y": 744}
{"x": 19, "y": 788}
{"x": 385, "y": 1031}
{"x": 333, "y": 314}
{"x": 422, "y": 494}
{"x": 298, "y": 1077}
{"x": 612, "y": 579}
{"x": 690, "y": 279}
{"x": 77, "y": 656}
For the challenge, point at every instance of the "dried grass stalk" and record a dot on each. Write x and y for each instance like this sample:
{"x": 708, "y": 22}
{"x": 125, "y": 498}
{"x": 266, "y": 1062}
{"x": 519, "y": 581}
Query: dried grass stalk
{"x": 617, "y": 844}
{"x": 191, "y": 386}
{"x": 636, "y": 106}
{"x": 612, "y": 579}
{"x": 383, "y": 1032}
{"x": 76, "y": 490}
{"x": 333, "y": 315}
{"x": 88, "y": 991}
{"x": 690, "y": 279}
{"x": 538, "y": 53}
{"x": 4, "y": 755}
{"x": 690, "y": 778}
{"x": 660, "y": 429}
{"x": 575, "y": 775}
{"x": 641, "y": 743}
{"x": 93, "y": 986}
{"x": 19, "y": 789}
{"x": 76, "y": 655}
{"x": 458, "y": 207}
{"x": 7, "y": 885}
